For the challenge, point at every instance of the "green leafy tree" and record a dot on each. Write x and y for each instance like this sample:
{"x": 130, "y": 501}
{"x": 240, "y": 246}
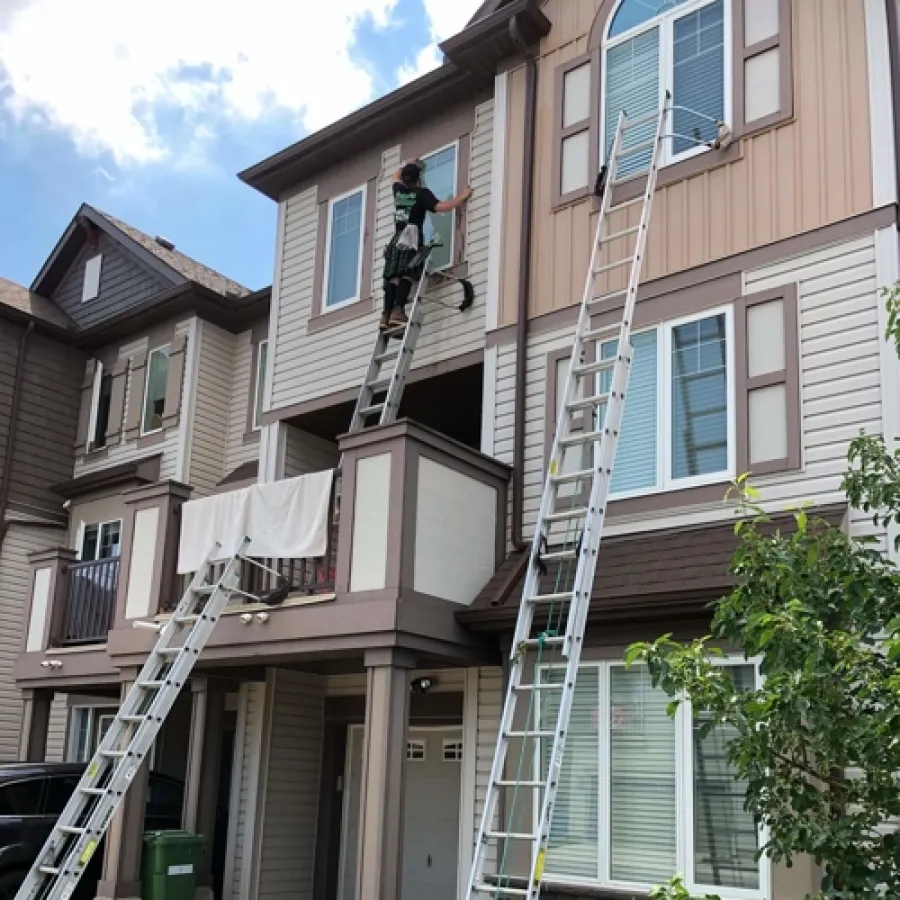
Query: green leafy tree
{"x": 818, "y": 743}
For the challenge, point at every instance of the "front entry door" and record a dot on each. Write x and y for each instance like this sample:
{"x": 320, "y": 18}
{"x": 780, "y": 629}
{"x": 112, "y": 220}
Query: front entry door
{"x": 431, "y": 821}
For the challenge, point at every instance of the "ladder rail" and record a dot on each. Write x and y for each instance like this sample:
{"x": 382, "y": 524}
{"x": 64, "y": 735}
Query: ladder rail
{"x": 603, "y": 458}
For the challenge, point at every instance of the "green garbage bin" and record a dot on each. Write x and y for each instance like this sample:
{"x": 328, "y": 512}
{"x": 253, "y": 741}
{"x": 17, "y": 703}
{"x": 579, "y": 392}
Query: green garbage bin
{"x": 169, "y": 865}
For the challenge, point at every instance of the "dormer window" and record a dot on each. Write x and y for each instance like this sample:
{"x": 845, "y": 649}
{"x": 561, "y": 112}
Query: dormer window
{"x": 91, "y": 287}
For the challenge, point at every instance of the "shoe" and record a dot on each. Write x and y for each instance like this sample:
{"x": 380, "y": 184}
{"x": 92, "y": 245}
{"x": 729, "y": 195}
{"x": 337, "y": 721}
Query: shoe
{"x": 398, "y": 317}
{"x": 385, "y": 322}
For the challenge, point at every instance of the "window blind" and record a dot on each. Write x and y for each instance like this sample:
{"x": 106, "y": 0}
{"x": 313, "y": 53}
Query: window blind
{"x": 632, "y": 84}
{"x": 699, "y": 74}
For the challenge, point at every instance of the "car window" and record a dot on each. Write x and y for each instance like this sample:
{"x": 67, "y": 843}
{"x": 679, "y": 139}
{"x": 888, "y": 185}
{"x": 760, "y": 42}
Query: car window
{"x": 59, "y": 790}
{"x": 164, "y": 796}
{"x": 21, "y": 798}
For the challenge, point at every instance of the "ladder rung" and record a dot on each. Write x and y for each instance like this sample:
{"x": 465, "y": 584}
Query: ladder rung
{"x": 624, "y": 233}
{"x": 187, "y": 620}
{"x": 495, "y": 889}
{"x": 600, "y": 365}
{"x": 528, "y": 688}
{"x": 577, "y": 513}
{"x": 72, "y": 829}
{"x": 169, "y": 651}
{"x": 132, "y": 720}
{"x": 371, "y": 410}
{"x": 558, "y": 555}
{"x": 625, "y": 204}
{"x": 613, "y": 265}
{"x": 387, "y": 354}
{"x": 152, "y": 685}
{"x": 640, "y": 120}
{"x": 598, "y": 333}
{"x": 113, "y": 754}
{"x": 48, "y": 870}
{"x": 524, "y": 784}
{"x": 610, "y": 296}
{"x": 587, "y": 403}
{"x": 534, "y": 735}
{"x": 554, "y": 641}
{"x": 641, "y": 145}
{"x": 588, "y": 437}
{"x": 205, "y": 590}
{"x": 380, "y": 384}
{"x": 511, "y": 835}
{"x": 94, "y": 792}
{"x": 569, "y": 477}
{"x": 550, "y": 598}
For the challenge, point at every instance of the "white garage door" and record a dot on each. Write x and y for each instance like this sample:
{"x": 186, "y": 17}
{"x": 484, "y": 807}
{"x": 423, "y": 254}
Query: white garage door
{"x": 431, "y": 824}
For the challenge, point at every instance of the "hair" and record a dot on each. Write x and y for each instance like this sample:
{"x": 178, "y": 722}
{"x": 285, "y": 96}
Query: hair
{"x": 411, "y": 174}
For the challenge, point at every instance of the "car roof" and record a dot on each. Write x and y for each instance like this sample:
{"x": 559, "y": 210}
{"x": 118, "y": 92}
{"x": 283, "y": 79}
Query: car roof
{"x": 15, "y": 771}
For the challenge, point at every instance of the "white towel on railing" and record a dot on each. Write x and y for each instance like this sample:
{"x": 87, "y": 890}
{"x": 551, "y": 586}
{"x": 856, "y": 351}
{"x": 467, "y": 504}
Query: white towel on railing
{"x": 284, "y": 520}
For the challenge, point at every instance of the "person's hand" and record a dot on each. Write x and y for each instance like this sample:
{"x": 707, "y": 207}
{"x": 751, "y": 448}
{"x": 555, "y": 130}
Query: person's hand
{"x": 467, "y": 193}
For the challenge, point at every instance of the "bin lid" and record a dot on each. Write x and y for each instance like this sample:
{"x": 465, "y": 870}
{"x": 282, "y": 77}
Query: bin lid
{"x": 172, "y": 837}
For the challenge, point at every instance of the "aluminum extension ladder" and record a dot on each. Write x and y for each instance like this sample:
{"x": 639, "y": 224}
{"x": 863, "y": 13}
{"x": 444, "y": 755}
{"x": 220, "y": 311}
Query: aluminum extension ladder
{"x": 581, "y": 382}
{"x": 84, "y": 821}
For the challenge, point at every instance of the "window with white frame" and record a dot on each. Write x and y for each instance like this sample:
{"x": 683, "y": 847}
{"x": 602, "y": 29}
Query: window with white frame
{"x": 439, "y": 177}
{"x": 87, "y": 727}
{"x": 453, "y": 751}
{"x": 670, "y": 802}
{"x": 678, "y": 426}
{"x": 100, "y": 408}
{"x": 155, "y": 390}
{"x": 262, "y": 351}
{"x": 344, "y": 248}
{"x": 679, "y": 46}
{"x": 415, "y": 751}
{"x": 100, "y": 540}
{"x": 90, "y": 289}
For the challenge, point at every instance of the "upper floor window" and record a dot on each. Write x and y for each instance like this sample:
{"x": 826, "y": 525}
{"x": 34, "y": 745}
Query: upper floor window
{"x": 680, "y": 46}
{"x": 642, "y": 795}
{"x": 260, "y": 383}
{"x": 91, "y": 288}
{"x": 440, "y": 178}
{"x": 101, "y": 541}
{"x": 344, "y": 248}
{"x": 155, "y": 392}
{"x": 100, "y": 408}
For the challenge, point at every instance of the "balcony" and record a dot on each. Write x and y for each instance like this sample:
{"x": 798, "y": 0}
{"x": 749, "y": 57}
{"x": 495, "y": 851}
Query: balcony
{"x": 89, "y": 603}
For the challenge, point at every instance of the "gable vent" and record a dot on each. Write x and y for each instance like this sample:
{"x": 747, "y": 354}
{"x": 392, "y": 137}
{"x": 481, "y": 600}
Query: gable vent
{"x": 164, "y": 242}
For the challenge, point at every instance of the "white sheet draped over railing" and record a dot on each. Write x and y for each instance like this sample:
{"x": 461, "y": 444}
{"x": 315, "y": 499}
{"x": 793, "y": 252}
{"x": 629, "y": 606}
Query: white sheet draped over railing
{"x": 284, "y": 520}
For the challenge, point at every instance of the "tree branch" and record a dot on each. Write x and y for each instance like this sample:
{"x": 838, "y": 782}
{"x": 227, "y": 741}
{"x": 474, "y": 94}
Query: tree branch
{"x": 835, "y": 785}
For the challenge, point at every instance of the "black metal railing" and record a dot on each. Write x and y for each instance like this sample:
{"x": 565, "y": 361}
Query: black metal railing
{"x": 296, "y": 577}
{"x": 90, "y": 602}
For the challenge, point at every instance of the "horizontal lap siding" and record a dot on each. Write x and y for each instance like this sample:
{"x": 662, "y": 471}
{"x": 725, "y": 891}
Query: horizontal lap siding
{"x": 134, "y": 393}
{"x": 56, "y": 731}
{"x": 237, "y": 452}
{"x": 287, "y": 837}
{"x": 490, "y": 706}
{"x": 305, "y": 453}
{"x": 214, "y": 402}
{"x": 840, "y": 384}
{"x": 15, "y": 606}
{"x": 308, "y": 366}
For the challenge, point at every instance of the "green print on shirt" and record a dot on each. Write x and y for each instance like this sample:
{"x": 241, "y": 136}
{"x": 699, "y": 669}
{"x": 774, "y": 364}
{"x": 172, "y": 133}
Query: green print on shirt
{"x": 403, "y": 204}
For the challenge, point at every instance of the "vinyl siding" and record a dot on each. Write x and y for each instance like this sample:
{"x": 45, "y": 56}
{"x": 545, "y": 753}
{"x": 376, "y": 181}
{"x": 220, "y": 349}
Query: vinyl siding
{"x": 840, "y": 385}
{"x": 15, "y": 604}
{"x": 213, "y": 405}
{"x": 289, "y": 815}
{"x": 56, "y": 731}
{"x": 48, "y": 417}
{"x": 446, "y": 681}
{"x": 124, "y": 283}
{"x": 134, "y": 393}
{"x": 305, "y": 453}
{"x": 308, "y": 366}
{"x": 237, "y": 452}
{"x": 490, "y": 707}
{"x": 251, "y": 709}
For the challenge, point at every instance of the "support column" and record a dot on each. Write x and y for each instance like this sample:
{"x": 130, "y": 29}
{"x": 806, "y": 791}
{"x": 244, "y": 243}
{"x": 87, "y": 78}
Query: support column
{"x": 204, "y": 756}
{"x": 35, "y": 724}
{"x": 121, "y": 876}
{"x": 380, "y": 859}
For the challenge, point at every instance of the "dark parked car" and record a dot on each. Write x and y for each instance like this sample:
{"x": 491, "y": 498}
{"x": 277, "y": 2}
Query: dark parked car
{"x": 32, "y": 796}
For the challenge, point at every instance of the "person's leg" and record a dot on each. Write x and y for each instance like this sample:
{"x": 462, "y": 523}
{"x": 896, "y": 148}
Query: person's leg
{"x": 401, "y": 296}
{"x": 390, "y": 292}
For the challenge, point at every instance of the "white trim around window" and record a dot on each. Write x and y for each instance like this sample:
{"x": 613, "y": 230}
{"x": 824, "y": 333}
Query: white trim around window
{"x": 665, "y": 22}
{"x": 362, "y": 190}
{"x": 451, "y": 216}
{"x": 90, "y": 288}
{"x": 665, "y": 481}
{"x": 683, "y": 772}
{"x": 259, "y": 381}
{"x": 95, "y": 403}
{"x": 165, "y": 348}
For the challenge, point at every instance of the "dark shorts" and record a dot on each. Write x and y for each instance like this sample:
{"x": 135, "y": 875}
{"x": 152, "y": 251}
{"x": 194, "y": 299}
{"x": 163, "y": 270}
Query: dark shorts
{"x": 402, "y": 262}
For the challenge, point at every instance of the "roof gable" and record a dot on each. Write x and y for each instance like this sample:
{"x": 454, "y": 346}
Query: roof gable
{"x": 20, "y": 298}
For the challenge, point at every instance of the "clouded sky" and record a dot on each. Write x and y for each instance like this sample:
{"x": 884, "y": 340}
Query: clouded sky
{"x": 148, "y": 109}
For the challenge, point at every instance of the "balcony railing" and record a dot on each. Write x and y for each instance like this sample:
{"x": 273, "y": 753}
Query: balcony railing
{"x": 90, "y": 602}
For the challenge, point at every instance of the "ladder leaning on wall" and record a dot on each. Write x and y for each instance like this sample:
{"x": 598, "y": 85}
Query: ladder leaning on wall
{"x": 596, "y": 387}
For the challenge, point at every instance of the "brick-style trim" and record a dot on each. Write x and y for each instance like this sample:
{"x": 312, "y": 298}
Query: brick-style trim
{"x": 590, "y": 125}
{"x": 789, "y": 376}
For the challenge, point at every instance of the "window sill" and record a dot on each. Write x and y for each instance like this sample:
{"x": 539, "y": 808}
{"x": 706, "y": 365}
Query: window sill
{"x": 95, "y": 455}
{"x": 251, "y": 437}
{"x": 325, "y": 320}
{"x": 152, "y": 439}
{"x": 459, "y": 270}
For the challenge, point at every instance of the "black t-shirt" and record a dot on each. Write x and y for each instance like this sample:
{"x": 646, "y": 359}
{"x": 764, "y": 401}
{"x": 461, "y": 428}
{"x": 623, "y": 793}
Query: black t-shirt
{"x": 411, "y": 204}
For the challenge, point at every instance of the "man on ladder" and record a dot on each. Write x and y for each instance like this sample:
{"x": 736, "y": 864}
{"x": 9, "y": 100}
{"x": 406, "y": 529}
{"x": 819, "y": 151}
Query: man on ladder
{"x": 403, "y": 265}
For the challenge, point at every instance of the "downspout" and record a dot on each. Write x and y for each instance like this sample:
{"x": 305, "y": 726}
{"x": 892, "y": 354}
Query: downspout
{"x": 11, "y": 434}
{"x": 524, "y": 285}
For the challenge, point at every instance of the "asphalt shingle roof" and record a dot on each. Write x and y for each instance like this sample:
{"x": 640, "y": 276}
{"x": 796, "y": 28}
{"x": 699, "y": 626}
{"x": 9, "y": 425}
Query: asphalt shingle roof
{"x": 18, "y": 297}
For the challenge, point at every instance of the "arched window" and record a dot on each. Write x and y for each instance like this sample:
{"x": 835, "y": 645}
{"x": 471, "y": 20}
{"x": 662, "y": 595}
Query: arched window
{"x": 654, "y": 46}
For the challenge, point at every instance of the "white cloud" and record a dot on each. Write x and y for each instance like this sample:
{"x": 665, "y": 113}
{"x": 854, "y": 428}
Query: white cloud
{"x": 121, "y": 76}
{"x": 445, "y": 19}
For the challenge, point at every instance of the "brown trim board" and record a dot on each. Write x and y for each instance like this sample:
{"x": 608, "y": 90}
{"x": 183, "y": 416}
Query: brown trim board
{"x": 692, "y": 279}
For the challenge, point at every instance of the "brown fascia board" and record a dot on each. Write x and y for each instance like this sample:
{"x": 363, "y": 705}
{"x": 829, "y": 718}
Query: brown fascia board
{"x": 145, "y": 471}
{"x": 191, "y": 298}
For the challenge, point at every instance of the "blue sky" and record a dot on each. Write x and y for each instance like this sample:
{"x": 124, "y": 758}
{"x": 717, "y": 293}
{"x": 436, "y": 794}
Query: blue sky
{"x": 147, "y": 111}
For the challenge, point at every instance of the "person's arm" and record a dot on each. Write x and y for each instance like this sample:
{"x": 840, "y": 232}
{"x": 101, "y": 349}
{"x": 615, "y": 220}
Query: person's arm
{"x": 449, "y": 205}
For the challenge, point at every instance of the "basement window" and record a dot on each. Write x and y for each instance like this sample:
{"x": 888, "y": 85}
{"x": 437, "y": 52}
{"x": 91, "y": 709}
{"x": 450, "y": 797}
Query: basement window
{"x": 90, "y": 290}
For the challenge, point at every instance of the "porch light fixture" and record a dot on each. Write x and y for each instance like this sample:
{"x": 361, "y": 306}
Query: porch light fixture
{"x": 421, "y": 685}
{"x": 247, "y": 618}
{"x": 262, "y": 617}
{"x": 51, "y": 664}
